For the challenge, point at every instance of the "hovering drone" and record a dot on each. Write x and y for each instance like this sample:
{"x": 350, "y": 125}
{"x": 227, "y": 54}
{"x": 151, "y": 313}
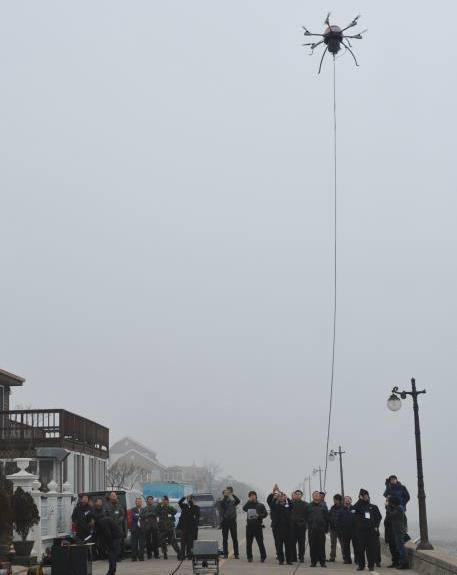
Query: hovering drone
{"x": 334, "y": 37}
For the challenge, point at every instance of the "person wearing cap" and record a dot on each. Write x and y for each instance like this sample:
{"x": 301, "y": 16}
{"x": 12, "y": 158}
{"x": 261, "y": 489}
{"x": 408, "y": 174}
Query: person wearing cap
{"x": 318, "y": 525}
{"x": 367, "y": 520}
{"x": 335, "y": 534}
{"x": 255, "y": 514}
{"x": 166, "y": 524}
{"x": 396, "y": 489}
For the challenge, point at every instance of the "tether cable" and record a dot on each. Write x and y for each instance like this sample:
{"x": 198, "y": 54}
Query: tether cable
{"x": 332, "y": 376}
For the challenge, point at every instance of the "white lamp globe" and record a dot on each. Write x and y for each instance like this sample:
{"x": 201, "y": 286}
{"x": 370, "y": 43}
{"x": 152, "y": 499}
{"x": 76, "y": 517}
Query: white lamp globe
{"x": 394, "y": 403}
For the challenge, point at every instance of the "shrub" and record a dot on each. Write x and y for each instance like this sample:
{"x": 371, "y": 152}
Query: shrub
{"x": 25, "y": 512}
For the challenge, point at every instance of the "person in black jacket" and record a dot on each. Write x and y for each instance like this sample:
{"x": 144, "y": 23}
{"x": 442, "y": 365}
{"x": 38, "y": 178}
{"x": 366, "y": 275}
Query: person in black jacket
{"x": 151, "y": 528}
{"x": 227, "y": 511}
{"x": 395, "y": 532}
{"x": 110, "y": 536}
{"x": 255, "y": 514}
{"x": 335, "y": 535}
{"x": 188, "y": 524}
{"x": 298, "y": 526}
{"x": 318, "y": 525}
{"x": 281, "y": 524}
{"x": 138, "y": 530}
{"x": 367, "y": 520}
{"x": 81, "y": 517}
{"x": 346, "y": 527}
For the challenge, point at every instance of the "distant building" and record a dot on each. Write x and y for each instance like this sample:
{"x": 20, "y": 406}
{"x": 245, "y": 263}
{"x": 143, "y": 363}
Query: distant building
{"x": 64, "y": 447}
{"x": 129, "y": 452}
{"x": 197, "y": 476}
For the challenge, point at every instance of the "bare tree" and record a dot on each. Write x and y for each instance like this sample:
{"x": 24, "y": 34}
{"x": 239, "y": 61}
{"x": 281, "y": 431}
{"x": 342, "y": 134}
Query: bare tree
{"x": 211, "y": 471}
{"x": 123, "y": 475}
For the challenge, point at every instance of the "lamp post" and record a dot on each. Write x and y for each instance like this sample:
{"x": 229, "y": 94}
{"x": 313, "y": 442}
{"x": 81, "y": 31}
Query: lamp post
{"x": 394, "y": 404}
{"x": 318, "y": 470}
{"x": 305, "y": 481}
{"x": 331, "y": 457}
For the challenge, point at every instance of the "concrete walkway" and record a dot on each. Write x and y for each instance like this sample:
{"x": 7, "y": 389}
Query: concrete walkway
{"x": 232, "y": 566}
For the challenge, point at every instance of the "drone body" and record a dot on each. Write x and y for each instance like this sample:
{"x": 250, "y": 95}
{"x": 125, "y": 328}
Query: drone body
{"x": 334, "y": 38}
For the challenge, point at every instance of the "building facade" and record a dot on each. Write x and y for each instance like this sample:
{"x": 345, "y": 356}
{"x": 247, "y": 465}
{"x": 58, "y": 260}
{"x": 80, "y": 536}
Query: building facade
{"x": 63, "y": 447}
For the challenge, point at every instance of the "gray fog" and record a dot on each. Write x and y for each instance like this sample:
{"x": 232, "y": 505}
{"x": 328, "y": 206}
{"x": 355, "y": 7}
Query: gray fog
{"x": 166, "y": 231}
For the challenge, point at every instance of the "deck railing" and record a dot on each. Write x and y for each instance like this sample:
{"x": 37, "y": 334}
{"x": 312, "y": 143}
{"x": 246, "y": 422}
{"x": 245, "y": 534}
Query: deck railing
{"x": 52, "y": 428}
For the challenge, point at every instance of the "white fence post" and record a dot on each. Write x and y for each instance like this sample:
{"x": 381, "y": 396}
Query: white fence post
{"x": 51, "y": 496}
{"x": 67, "y": 506}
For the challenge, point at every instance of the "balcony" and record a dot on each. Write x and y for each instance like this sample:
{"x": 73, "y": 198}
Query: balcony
{"x": 23, "y": 430}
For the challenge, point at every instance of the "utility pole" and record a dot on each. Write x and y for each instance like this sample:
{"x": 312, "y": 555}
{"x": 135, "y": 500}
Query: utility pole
{"x": 331, "y": 457}
{"x": 319, "y": 470}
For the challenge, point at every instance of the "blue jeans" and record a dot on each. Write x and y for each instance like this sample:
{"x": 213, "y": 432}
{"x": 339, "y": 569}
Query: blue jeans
{"x": 400, "y": 545}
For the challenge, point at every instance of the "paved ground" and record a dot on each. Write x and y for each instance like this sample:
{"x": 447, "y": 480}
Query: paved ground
{"x": 232, "y": 566}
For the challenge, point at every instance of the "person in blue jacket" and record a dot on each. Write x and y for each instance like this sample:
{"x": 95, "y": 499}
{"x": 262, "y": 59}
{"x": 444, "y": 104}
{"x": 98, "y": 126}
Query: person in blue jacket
{"x": 395, "y": 489}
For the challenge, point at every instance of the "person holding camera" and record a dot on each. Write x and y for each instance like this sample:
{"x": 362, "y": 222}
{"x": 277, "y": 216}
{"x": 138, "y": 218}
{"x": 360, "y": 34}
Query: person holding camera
{"x": 227, "y": 511}
{"x": 188, "y": 524}
{"x": 280, "y": 507}
{"x": 255, "y": 514}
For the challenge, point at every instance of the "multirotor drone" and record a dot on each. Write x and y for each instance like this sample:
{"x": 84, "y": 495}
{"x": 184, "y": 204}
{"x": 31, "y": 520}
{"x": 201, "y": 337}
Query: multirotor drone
{"x": 334, "y": 37}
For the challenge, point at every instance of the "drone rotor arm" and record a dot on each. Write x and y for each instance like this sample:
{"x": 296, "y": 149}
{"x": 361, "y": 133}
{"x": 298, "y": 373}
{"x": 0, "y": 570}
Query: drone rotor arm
{"x": 322, "y": 59}
{"x": 352, "y": 24}
{"x": 351, "y": 52}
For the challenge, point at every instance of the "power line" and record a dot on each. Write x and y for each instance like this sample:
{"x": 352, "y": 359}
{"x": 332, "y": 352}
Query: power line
{"x": 332, "y": 376}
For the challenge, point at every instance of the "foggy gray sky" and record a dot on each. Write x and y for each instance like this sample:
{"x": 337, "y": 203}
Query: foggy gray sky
{"x": 166, "y": 231}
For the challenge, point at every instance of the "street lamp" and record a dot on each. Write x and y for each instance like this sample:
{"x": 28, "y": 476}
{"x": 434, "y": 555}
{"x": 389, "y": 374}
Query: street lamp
{"x": 305, "y": 481}
{"x": 394, "y": 404}
{"x": 331, "y": 456}
{"x": 318, "y": 470}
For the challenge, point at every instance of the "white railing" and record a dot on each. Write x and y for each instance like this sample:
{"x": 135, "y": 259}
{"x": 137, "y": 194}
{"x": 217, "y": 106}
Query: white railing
{"x": 55, "y": 508}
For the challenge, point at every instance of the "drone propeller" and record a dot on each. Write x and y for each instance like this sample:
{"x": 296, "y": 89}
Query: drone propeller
{"x": 357, "y": 36}
{"x": 327, "y": 20}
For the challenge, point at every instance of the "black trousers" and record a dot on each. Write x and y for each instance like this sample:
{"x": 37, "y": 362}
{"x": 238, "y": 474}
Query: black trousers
{"x": 257, "y": 534}
{"x": 367, "y": 544}
{"x": 297, "y": 537}
{"x": 113, "y": 554}
{"x": 167, "y": 536}
{"x": 230, "y": 527}
{"x": 283, "y": 545}
{"x": 335, "y": 536}
{"x": 138, "y": 540}
{"x": 152, "y": 542}
{"x": 317, "y": 545}
{"x": 187, "y": 542}
{"x": 347, "y": 538}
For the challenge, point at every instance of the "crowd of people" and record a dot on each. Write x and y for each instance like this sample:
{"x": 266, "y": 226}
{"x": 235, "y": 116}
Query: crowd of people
{"x": 152, "y": 527}
{"x": 354, "y": 526}
{"x": 293, "y": 521}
